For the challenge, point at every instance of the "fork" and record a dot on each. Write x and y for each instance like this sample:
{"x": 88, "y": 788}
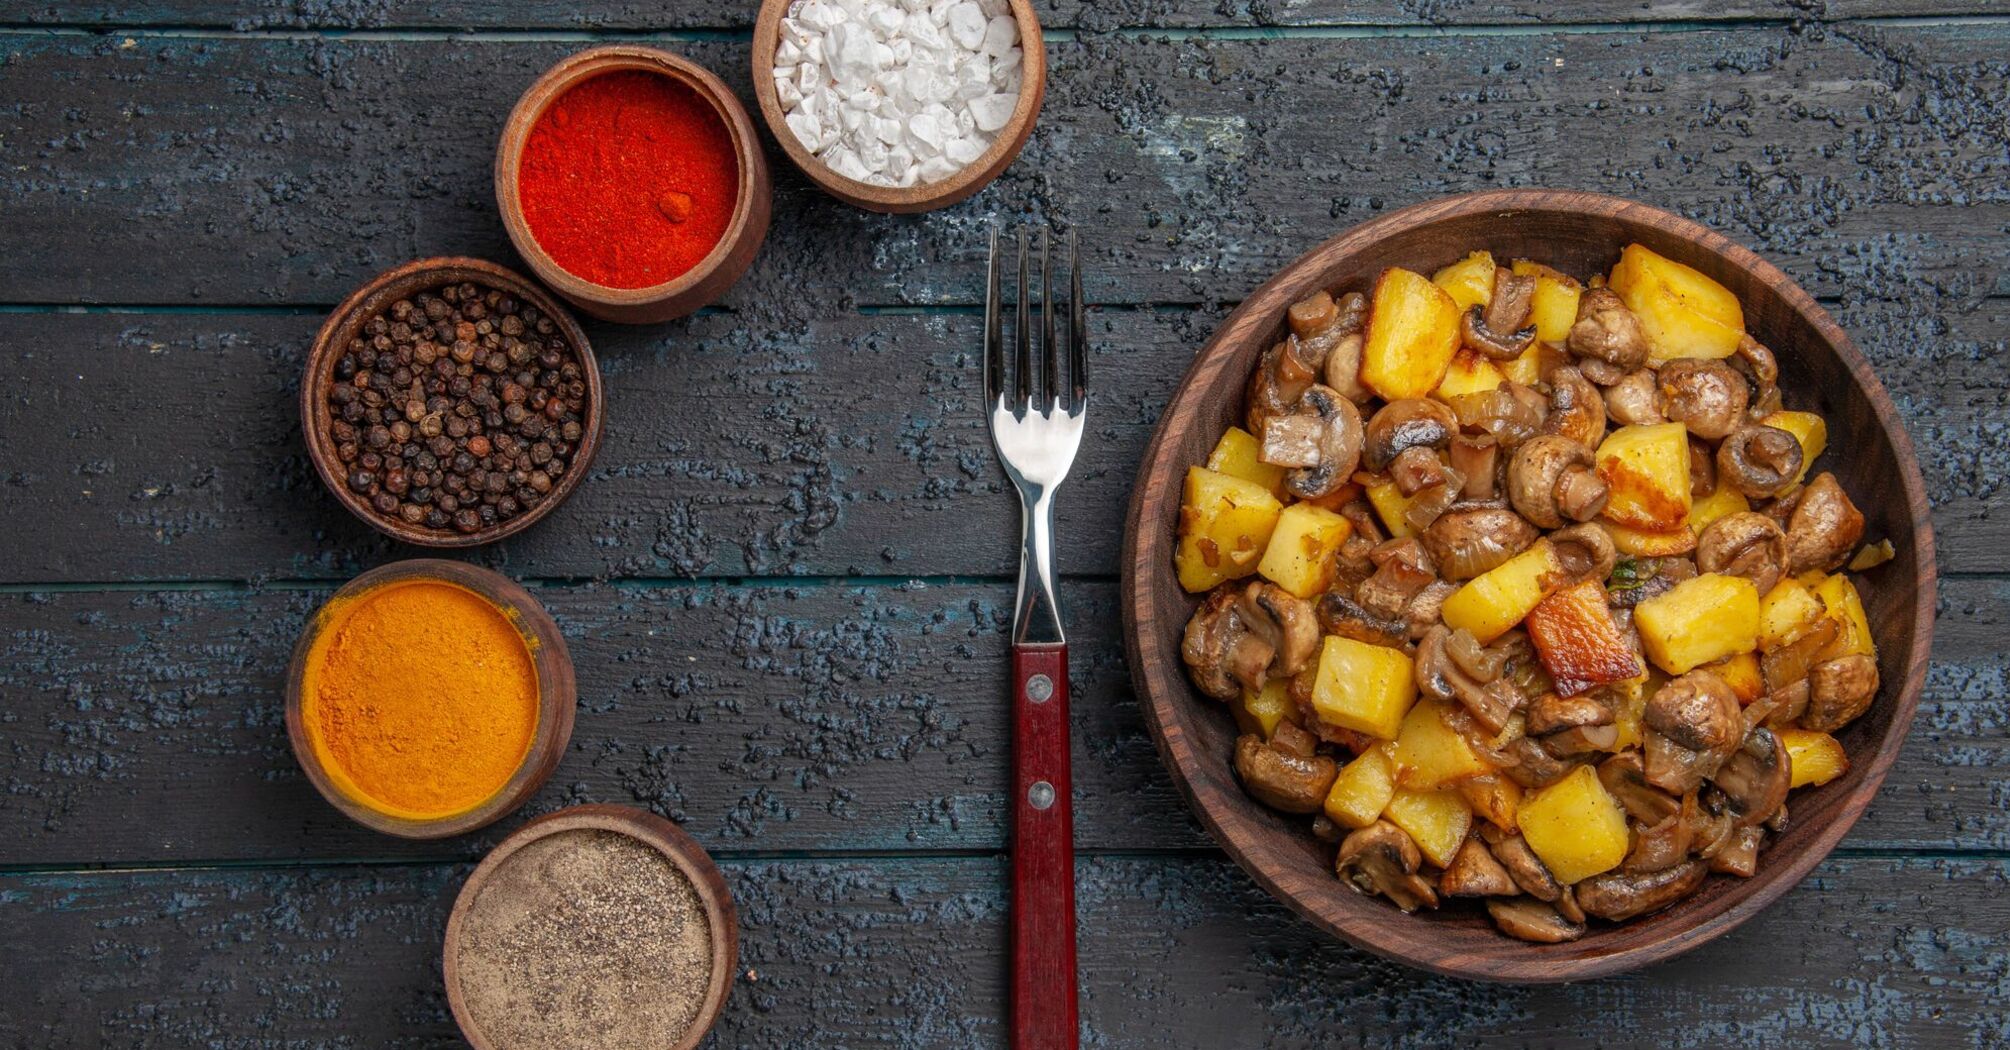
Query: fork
{"x": 1036, "y": 438}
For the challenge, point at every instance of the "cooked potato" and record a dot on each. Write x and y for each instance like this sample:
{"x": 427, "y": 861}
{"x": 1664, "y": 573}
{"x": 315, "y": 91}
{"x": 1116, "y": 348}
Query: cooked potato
{"x": 1493, "y": 797}
{"x": 1575, "y": 826}
{"x": 1786, "y": 611}
{"x": 1259, "y": 712}
{"x": 1390, "y": 505}
{"x": 1239, "y": 455}
{"x": 1699, "y": 621}
{"x": 1430, "y": 754}
{"x": 1469, "y": 373}
{"x": 1224, "y": 525}
{"x": 1811, "y": 430}
{"x": 1814, "y": 758}
{"x": 1299, "y": 557}
{"x": 1740, "y": 672}
{"x": 1413, "y": 330}
{"x": 1494, "y": 601}
{"x": 1647, "y": 467}
{"x": 1437, "y": 820}
{"x": 1366, "y": 688}
{"x": 1682, "y": 312}
{"x": 1578, "y": 642}
{"x": 1642, "y": 543}
{"x": 1554, "y": 306}
{"x": 1723, "y": 501}
{"x": 1533, "y": 364}
{"x": 1841, "y": 601}
{"x": 1363, "y": 789}
{"x": 1470, "y": 281}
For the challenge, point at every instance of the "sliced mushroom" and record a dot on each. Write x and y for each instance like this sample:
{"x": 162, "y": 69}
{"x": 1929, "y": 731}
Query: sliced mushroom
{"x": 1762, "y": 377}
{"x": 1283, "y": 374}
{"x": 1626, "y": 781}
{"x": 1552, "y": 481}
{"x": 1413, "y": 422}
{"x": 1618, "y": 895}
{"x": 1607, "y": 330}
{"x": 1380, "y": 858}
{"x": 1702, "y": 468}
{"x": 1313, "y": 314}
{"x": 1601, "y": 374}
{"x": 1497, "y": 329}
{"x": 1223, "y": 656}
{"x": 1581, "y": 740}
{"x": 1354, "y": 561}
{"x": 1416, "y": 469}
{"x": 1452, "y": 667}
{"x": 1708, "y": 397}
{"x": 1576, "y": 408}
{"x": 1756, "y": 778}
{"x": 1342, "y": 368}
{"x": 1523, "y": 866}
{"x": 1759, "y": 461}
{"x": 1583, "y": 552}
{"x": 1426, "y": 608}
{"x": 1695, "y": 724}
{"x": 1532, "y": 920}
{"x": 1340, "y": 614}
{"x": 1402, "y": 568}
{"x": 1824, "y": 528}
{"x": 1320, "y": 439}
{"x": 1636, "y": 399}
{"x": 1660, "y": 846}
{"x": 1285, "y": 621}
{"x": 1535, "y": 766}
{"x": 1282, "y": 779}
{"x": 1744, "y": 544}
{"x": 1839, "y": 691}
{"x": 1550, "y": 713}
{"x": 1476, "y": 458}
{"x": 1465, "y": 542}
{"x": 1474, "y": 872}
{"x": 1740, "y": 856}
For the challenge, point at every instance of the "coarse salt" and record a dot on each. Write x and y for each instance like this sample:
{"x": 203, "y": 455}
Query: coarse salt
{"x": 898, "y": 92}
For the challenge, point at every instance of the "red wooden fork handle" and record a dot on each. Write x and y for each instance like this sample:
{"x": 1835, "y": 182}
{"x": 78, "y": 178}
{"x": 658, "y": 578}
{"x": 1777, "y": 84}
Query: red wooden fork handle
{"x": 1043, "y": 853}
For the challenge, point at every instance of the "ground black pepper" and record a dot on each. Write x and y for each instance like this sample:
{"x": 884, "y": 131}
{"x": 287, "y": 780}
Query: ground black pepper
{"x": 457, "y": 409}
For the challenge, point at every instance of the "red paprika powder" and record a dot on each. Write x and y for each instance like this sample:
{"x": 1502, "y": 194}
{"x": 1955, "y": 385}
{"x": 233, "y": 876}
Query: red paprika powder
{"x": 628, "y": 179}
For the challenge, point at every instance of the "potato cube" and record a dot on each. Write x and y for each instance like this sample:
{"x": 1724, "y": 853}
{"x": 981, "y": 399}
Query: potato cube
{"x": 1470, "y": 281}
{"x": 1723, "y": 501}
{"x": 1808, "y": 428}
{"x": 1698, "y": 621}
{"x": 1647, "y": 467}
{"x": 1643, "y": 543}
{"x": 1363, "y": 789}
{"x": 1742, "y": 674}
{"x": 1787, "y": 610}
{"x": 1575, "y": 826}
{"x": 1493, "y": 797}
{"x": 1682, "y": 312}
{"x": 1430, "y": 754}
{"x": 1470, "y": 373}
{"x": 1437, "y": 820}
{"x": 1239, "y": 455}
{"x": 1413, "y": 330}
{"x": 1390, "y": 505}
{"x": 1814, "y": 758}
{"x": 1260, "y": 712}
{"x": 1299, "y": 557}
{"x": 1494, "y": 601}
{"x": 1224, "y": 525}
{"x": 1366, "y": 688}
{"x": 1532, "y": 365}
{"x": 1554, "y": 306}
{"x": 1841, "y": 601}
{"x": 1577, "y": 640}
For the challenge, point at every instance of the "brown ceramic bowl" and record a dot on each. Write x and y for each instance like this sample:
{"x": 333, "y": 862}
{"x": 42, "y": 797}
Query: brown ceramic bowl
{"x": 652, "y": 830}
{"x": 374, "y": 298}
{"x": 557, "y": 697}
{"x": 700, "y": 285}
{"x": 1580, "y": 233}
{"x": 926, "y": 196}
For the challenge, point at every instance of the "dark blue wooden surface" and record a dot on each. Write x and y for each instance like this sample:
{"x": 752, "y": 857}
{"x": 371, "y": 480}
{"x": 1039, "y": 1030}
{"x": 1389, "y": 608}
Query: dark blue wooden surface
{"x": 786, "y": 582}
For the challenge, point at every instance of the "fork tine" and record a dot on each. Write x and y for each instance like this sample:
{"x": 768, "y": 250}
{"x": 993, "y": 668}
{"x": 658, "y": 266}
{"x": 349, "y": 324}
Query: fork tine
{"x": 1050, "y": 355}
{"x": 1078, "y": 328}
{"x": 1021, "y": 344}
{"x": 994, "y": 353}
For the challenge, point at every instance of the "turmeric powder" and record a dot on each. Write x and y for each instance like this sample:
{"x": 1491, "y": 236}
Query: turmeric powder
{"x": 419, "y": 698}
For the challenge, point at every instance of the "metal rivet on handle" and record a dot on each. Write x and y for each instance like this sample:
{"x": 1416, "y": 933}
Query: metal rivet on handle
{"x": 1039, "y": 688}
{"x": 1041, "y": 794}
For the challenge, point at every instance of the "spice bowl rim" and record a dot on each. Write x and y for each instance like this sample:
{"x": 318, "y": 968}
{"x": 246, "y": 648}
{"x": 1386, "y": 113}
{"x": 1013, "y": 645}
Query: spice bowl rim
{"x": 925, "y": 196}
{"x": 557, "y": 693}
{"x": 673, "y": 842}
{"x": 728, "y": 260}
{"x": 375, "y": 296}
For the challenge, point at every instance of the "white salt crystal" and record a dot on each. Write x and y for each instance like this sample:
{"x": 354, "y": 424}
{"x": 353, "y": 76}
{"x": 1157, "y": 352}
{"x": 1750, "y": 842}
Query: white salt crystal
{"x": 793, "y": 32}
{"x": 964, "y": 151}
{"x": 787, "y": 53}
{"x": 787, "y": 93}
{"x": 992, "y": 112}
{"x": 1001, "y": 34}
{"x": 806, "y": 128}
{"x": 966, "y": 25}
{"x": 935, "y": 169}
{"x": 819, "y": 16}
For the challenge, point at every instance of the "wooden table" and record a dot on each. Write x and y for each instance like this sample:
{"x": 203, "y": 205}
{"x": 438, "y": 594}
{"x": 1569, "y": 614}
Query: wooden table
{"x": 787, "y": 581}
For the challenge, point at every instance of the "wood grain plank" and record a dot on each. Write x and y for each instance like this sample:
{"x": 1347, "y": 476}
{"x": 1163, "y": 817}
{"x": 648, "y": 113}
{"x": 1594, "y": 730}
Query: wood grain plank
{"x": 146, "y": 727}
{"x": 1871, "y": 951}
{"x": 1863, "y": 159}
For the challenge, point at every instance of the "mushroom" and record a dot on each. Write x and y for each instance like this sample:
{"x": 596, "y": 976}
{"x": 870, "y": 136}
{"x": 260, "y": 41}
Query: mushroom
{"x": 1411, "y": 422}
{"x": 1285, "y": 622}
{"x": 1619, "y": 895}
{"x": 1759, "y": 461}
{"x": 1532, "y": 920}
{"x": 1320, "y": 438}
{"x": 1380, "y": 858}
{"x": 1660, "y": 846}
{"x": 1282, "y": 778}
{"x": 1626, "y": 781}
{"x": 1522, "y": 865}
{"x": 1584, "y": 552}
{"x": 1607, "y": 330}
{"x": 1342, "y": 615}
{"x": 1839, "y": 690}
{"x": 1452, "y": 667}
{"x": 1426, "y": 608}
{"x": 1576, "y": 408}
{"x": 1599, "y": 372}
{"x": 1313, "y": 314}
{"x": 1416, "y": 469}
{"x": 1702, "y": 468}
{"x": 1755, "y": 780}
{"x": 1343, "y": 369}
{"x": 1500, "y": 329}
{"x": 1283, "y": 374}
{"x": 1476, "y": 458}
{"x": 1354, "y": 561}
{"x": 1550, "y": 713}
{"x": 1223, "y": 656}
{"x": 1785, "y": 666}
{"x": 1534, "y": 765}
{"x": 1762, "y": 377}
{"x": 1695, "y": 724}
{"x": 1474, "y": 872}
{"x": 1740, "y": 856}
{"x": 1341, "y": 336}
{"x": 1402, "y": 568}
{"x": 1744, "y": 544}
{"x": 1635, "y": 399}
{"x": 1824, "y": 528}
{"x": 1708, "y": 397}
{"x": 1465, "y": 542}
{"x": 1552, "y": 481}
{"x": 1581, "y": 740}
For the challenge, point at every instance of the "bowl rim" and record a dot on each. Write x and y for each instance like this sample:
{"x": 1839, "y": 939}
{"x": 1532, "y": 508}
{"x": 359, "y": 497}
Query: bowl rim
{"x": 1146, "y": 564}
{"x": 673, "y": 842}
{"x": 557, "y": 696}
{"x": 375, "y": 296}
{"x": 924, "y": 196}
{"x": 749, "y": 221}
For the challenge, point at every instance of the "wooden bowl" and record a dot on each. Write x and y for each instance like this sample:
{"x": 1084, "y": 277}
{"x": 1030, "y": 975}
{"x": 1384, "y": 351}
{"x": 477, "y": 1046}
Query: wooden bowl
{"x": 702, "y": 284}
{"x": 557, "y": 696}
{"x": 377, "y": 296}
{"x": 922, "y": 197}
{"x": 666, "y": 838}
{"x": 1580, "y": 233}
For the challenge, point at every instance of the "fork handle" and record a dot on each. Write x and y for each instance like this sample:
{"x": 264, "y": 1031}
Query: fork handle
{"x": 1043, "y": 853}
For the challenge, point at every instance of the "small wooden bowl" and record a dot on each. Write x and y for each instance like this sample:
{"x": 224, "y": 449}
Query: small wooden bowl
{"x": 926, "y": 196}
{"x": 702, "y": 284}
{"x": 667, "y": 839}
{"x": 1580, "y": 233}
{"x": 375, "y": 297}
{"x": 557, "y": 696}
